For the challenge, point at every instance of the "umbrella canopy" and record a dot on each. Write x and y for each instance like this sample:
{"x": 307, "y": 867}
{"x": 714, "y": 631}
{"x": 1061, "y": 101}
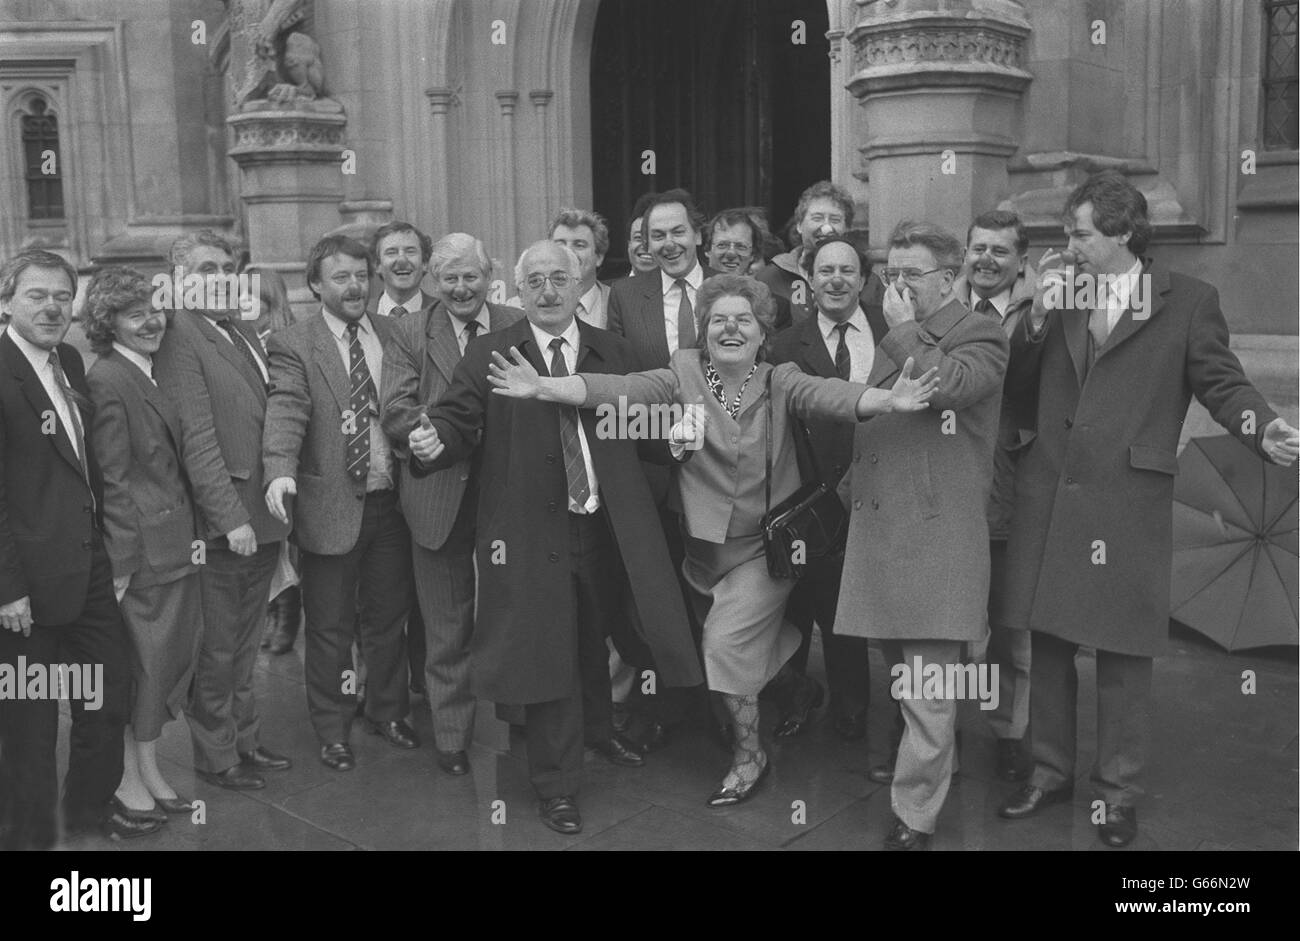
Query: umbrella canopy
{"x": 1236, "y": 538}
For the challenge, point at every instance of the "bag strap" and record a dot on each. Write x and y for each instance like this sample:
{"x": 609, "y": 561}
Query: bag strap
{"x": 811, "y": 450}
{"x": 767, "y": 464}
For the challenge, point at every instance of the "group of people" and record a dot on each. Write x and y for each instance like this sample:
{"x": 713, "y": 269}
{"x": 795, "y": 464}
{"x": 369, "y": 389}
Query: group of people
{"x": 424, "y": 473}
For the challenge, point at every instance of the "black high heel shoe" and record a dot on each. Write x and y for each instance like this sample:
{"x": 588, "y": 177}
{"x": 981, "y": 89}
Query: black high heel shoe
{"x": 730, "y": 796}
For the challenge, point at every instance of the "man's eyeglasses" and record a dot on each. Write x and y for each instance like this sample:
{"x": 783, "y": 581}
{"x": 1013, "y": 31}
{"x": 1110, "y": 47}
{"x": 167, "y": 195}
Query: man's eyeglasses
{"x": 559, "y": 281}
{"x": 740, "y": 248}
{"x": 890, "y": 275}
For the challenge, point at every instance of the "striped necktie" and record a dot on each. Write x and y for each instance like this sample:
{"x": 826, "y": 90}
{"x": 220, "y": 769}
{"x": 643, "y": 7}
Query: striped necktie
{"x": 359, "y": 402}
{"x": 73, "y": 399}
{"x": 575, "y": 466}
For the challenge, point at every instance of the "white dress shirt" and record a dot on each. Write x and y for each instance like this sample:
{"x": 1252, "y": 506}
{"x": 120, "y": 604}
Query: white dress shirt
{"x": 143, "y": 363}
{"x": 261, "y": 366}
{"x": 40, "y": 360}
{"x": 570, "y": 351}
{"x": 862, "y": 345}
{"x": 380, "y": 476}
{"x": 458, "y": 327}
{"x": 673, "y": 299}
{"x": 384, "y": 308}
{"x": 1119, "y": 290}
{"x": 1000, "y": 301}
{"x": 591, "y": 306}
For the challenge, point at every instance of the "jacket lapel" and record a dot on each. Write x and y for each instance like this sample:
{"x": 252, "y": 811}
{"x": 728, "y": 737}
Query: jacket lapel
{"x": 34, "y": 392}
{"x": 327, "y": 359}
{"x": 155, "y": 399}
{"x": 442, "y": 346}
{"x": 815, "y": 354}
{"x": 1156, "y": 281}
{"x": 225, "y": 347}
{"x": 1075, "y": 325}
{"x": 652, "y": 315}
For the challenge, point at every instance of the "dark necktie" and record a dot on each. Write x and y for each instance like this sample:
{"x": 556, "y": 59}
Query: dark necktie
{"x": 398, "y": 312}
{"x": 985, "y": 306}
{"x": 72, "y": 398}
{"x": 471, "y": 330}
{"x": 575, "y": 468}
{"x": 685, "y": 319}
{"x": 359, "y": 401}
{"x": 843, "y": 367}
{"x": 228, "y": 324}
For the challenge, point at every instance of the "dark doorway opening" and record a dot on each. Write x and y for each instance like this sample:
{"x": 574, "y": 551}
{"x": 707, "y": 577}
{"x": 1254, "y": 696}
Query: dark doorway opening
{"x": 730, "y": 106}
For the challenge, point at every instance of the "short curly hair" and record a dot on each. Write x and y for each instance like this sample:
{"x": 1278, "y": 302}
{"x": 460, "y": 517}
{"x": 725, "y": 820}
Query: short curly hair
{"x": 736, "y": 285}
{"x": 111, "y": 291}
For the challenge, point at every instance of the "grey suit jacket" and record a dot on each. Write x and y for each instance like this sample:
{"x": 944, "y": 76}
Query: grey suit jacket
{"x": 419, "y": 360}
{"x": 222, "y": 404}
{"x": 149, "y": 518}
{"x": 304, "y": 437}
{"x": 721, "y": 485}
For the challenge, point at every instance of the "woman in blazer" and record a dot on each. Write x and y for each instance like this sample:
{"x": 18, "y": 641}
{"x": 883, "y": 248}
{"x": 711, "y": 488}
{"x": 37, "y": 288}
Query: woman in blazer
{"x": 149, "y": 524}
{"x": 724, "y": 391}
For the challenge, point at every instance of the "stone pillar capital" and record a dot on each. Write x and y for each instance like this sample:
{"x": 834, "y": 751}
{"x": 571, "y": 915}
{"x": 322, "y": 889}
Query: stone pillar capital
{"x": 441, "y": 99}
{"x": 507, "y": 100}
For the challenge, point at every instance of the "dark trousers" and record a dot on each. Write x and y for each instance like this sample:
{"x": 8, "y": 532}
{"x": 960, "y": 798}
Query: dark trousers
{"x": 556, "y": 730}
{"x": 1123, "y": 718}
{"x": 29, "y": 728}
{"x": 1009, "y": 650}
{"x": 222, "y": 712}
{"x": 848, "y": 668}
{"x": 372, "y": 580}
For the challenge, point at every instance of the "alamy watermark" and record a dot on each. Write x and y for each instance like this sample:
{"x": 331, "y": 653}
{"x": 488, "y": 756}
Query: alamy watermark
{"x": 1079, "y": 290}
{"x": 81, "y": 681}
{"x": 919, "y": 680}
{"x": 639, "y": 421}
{"x": 202, "y": 292}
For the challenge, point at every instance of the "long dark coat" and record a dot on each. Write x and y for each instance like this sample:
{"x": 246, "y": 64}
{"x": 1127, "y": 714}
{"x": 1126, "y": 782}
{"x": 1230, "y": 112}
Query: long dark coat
{"x": 524, "y": 648}
{"x": 1100, "y": 474}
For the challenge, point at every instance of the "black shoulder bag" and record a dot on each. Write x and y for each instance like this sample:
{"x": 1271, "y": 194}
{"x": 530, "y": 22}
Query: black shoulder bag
{"x": 808, "y": 525}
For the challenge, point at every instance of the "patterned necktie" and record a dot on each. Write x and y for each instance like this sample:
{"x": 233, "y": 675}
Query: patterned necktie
{"x": 73, "y": 399}
{"x": 228, "y": 324}
{"x": 359, "y": 402}
{"x": 685, "y": 319}
{"x": 575, "y": 468}
{"x": 398, "y": 312}
{"x": 985, "y": 306}
{"x": 842, "y": 364}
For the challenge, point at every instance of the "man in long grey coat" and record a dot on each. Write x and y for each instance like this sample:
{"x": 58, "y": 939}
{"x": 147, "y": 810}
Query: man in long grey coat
{"x": 1090, "y": 550}
{"x": 916, "y": 568}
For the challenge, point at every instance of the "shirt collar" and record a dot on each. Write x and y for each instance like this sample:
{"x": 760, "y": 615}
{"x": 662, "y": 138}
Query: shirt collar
{"x": 694, "y": 279}
{"x": 144, "y": 362}
{"x": 1000, "y": 301}
{"x": 481, "y": 318}
{"x": 386, "y": 303}
{"x": 338, "y": 326}
{"x": 591, "y": 300}
{"x": 857, "y": 319}
{"x": 39, "y": 358}
{"x": 570, "y": 336}
{"x": 1123, "y": 286}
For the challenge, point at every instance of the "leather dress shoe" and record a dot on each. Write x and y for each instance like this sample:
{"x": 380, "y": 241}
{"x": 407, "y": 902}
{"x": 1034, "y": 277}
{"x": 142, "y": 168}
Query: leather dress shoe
{"x": 453, "y": 762}
{"x": 396, "y": 733}
{"x": 261, "y": 759}
{"x": 153, "y": 813}
{"x": 851, "y": 728}
{"x": 1011, "y": 763}
{"x": 234, "y": 778}
{"x": 1121, "y": 826}
{"x": 561, "y": 814}
{"x": 1029, "y": 800}
{"x": 174, "y": 805}
{"x": 619, "y": 751}
{"x": 808, "y": 696}
{"x": 881, "y": 774}
{"x": 731, "y": 796}
{"x": 337, "y": 756}
{"x": 904, "y": 838}
{"x": 120, "y": 826}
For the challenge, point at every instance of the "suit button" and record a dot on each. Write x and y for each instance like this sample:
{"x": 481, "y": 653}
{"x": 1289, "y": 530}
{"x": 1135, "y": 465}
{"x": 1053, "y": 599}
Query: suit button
{"x": 1070, "y": 481}
{"x": 837, "y": 470}
{"x": 360, "y": 496}
{"x": 552, "y": 506}
{"x": 735, "y": 439}
{"x": 554, "y": 557}
{"x": 857, "y": 457}
{"x": 86, "y": 544}
{"x": 1069, "y": 423}
{"x": 875, "y": 504}
{"x": 550, "y": 459}
{"x": 464, "y": 477}
{"x": 874, "y": 459}
{"x": 857, "y": 504}
{"x": 88, "y": 508}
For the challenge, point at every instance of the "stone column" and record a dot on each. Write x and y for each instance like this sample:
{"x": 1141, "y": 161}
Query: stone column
{"x": 941, "y": 83}
{"x": 291, "y": 181}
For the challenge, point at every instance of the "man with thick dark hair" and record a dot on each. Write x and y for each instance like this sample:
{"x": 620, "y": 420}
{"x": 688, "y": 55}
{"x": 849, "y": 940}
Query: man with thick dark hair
{"x": 1090, "y": 549}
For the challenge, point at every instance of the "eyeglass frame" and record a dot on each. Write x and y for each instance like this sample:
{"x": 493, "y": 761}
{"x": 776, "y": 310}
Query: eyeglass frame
{"x": 568, "y": 279}
{"x": 883, "y": 274}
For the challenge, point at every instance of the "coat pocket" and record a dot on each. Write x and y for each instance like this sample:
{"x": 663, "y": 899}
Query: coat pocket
{"x": 927, "y": 501}
{"x": 1146, "y": 457}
